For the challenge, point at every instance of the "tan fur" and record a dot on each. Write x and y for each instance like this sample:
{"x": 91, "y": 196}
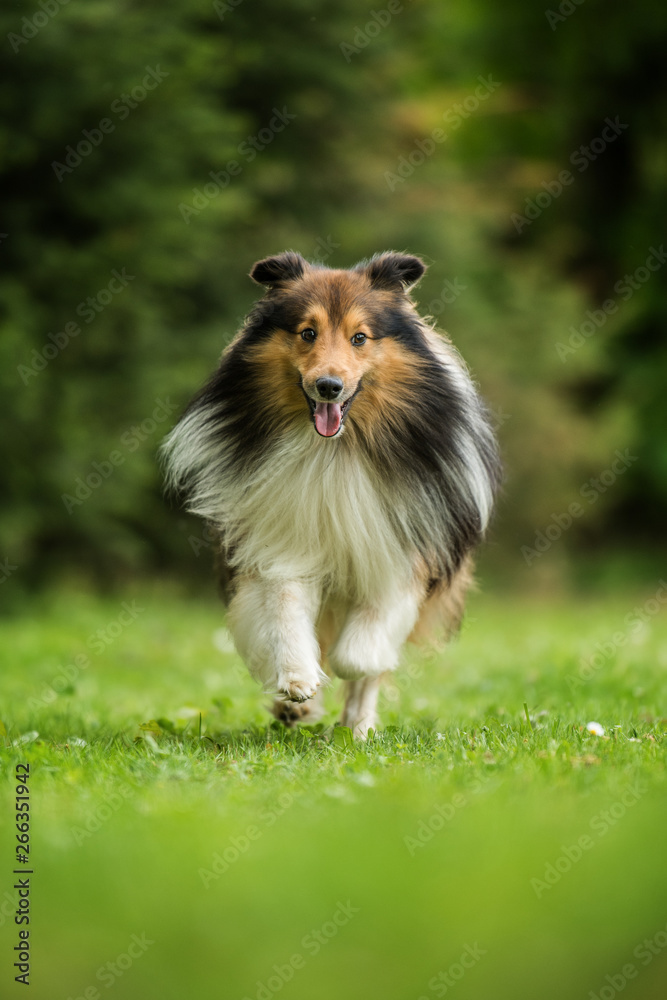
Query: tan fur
{"x": 442, "y": 610}
{"x": 278, "y": 378}
{"x": 384, "y": 400}
{"x": 385, "y": 369}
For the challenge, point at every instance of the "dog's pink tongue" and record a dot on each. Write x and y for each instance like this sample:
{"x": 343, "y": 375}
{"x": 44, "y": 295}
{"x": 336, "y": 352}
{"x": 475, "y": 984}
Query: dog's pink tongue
{"x": 327, "y": 419}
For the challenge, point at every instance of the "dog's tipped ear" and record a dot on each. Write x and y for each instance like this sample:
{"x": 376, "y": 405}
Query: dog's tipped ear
{"x": 273, "y": 271}
{"x": 394, "y": 270}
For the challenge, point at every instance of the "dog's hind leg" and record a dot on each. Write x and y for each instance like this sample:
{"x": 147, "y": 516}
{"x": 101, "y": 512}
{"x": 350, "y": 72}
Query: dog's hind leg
{"x": 442, "y": 611}
{"x": 360, "y": 711}
{"x": 292, "y": 712}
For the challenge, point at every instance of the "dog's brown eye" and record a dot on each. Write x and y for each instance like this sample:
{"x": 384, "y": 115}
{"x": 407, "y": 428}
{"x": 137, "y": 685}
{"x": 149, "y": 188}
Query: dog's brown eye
{"x": 308, "y": 335}
{"x": 358, "y": 339}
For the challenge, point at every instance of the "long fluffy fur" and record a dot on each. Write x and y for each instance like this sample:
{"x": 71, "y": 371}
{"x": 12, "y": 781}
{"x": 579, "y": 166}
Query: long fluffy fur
{"x": 405, "y": 489}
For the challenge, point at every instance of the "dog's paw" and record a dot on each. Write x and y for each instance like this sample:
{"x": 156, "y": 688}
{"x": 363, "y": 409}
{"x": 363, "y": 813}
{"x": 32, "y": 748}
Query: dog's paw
{"x": 293, "y": 688}
{"x": 291, "y": 712}
{"x": 299, "y": 684}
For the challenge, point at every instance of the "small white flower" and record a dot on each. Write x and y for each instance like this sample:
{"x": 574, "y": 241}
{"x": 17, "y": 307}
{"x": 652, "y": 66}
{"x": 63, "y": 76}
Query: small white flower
{"x": 595, "y": 728}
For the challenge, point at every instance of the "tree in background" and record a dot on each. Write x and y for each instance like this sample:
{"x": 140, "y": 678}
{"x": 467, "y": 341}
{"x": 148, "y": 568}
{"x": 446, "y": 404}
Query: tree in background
{"x": 591, "y": 83}
{"x": 153, "y": 151}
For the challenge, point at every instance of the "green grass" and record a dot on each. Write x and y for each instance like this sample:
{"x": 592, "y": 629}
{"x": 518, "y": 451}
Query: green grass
{"x": 165, "y": 804}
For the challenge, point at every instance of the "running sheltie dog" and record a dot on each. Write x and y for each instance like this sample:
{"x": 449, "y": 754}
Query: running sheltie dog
{"x": 343, "y": 456}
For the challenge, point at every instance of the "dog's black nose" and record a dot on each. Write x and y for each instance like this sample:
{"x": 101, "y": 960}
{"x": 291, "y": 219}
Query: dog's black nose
{"x": 329, "y": 386}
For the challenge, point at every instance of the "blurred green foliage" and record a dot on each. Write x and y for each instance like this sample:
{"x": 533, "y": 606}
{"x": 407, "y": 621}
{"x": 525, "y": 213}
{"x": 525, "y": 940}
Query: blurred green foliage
{"x": 116, "y": 116}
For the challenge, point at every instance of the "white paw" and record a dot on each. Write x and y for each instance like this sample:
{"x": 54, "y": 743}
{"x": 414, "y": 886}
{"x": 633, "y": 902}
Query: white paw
{"x": 297, "y": 687}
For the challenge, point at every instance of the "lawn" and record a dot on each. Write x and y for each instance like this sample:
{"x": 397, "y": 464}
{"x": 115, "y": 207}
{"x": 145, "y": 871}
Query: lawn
{"x": 484, "y": 843}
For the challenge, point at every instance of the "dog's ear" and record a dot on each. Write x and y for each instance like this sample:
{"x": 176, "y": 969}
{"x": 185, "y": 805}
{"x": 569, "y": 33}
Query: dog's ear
{"x": 273, "y": 271}
{"x": 394, "y": 270}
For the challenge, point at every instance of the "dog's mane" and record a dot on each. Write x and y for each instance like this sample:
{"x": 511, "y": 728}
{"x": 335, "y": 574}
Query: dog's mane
{"x": 430, "y": 476}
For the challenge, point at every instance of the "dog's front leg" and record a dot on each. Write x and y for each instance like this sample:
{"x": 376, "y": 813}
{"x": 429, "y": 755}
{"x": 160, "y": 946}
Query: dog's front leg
{"x": 272, "y": 622}
{"x": 371, "y": 638}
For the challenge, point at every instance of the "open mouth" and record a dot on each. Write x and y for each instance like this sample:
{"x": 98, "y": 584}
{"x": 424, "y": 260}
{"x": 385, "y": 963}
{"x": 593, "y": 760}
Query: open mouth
{"x": 328, "y": 417}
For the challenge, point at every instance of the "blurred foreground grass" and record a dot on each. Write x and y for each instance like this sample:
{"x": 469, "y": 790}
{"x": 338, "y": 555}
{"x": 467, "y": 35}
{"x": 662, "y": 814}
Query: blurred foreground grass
{"x": 183, "y": 846}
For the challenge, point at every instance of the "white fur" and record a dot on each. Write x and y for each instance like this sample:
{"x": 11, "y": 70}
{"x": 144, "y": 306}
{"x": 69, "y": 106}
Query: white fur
{"x": 372, "y": 636}
{"x": 312, "y": 521}
{"x": 313, "y": 510}
{"x": 273, "y": 624}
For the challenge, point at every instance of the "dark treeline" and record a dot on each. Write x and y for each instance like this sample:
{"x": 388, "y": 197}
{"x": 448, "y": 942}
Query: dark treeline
{"x": 152, "y": 151}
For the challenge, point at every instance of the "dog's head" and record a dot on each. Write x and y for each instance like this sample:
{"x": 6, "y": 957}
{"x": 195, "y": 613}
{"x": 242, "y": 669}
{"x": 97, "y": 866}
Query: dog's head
{"x": 324, "y": 335}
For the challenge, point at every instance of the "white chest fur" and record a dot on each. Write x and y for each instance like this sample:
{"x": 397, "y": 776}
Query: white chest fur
{"x": 314, "y": 510}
